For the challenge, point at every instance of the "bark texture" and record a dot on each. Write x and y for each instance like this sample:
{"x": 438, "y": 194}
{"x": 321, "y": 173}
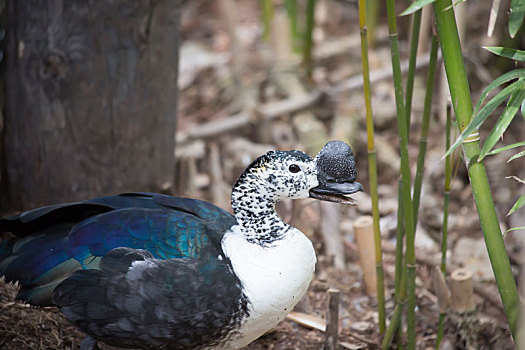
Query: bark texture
{"x": 91, "y": 91}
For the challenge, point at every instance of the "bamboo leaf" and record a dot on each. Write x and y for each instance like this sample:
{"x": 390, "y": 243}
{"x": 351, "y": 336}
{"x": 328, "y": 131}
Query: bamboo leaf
{"x": 517, "y": 11}
{"x": 484, "y": 113}
{"x": 523, "y": 108}
{"x": 516, "y": 156}
{"x": 506, "y": 148}
{"x": 416, "y": 5}
{"x": 454, "y": 4}
{"x": 517, "y": 73}
{"x": 503, "y": 123}
{"x": 513, "y": 54}
{"x": 514, "y": 229}
{"x": 519, "y": 203}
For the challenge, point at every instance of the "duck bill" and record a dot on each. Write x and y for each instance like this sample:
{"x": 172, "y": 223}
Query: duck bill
{"x": 336, "y": 192}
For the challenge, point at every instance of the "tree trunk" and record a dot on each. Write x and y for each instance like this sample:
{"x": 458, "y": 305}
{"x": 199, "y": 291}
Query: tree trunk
{"x": 91, "y": 91}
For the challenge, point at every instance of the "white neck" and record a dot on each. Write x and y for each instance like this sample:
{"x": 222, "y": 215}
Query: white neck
{"x": 274, "y": 278}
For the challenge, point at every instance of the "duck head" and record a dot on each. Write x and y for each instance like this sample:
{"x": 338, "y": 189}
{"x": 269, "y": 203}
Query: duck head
{"x": 294, "y": 174}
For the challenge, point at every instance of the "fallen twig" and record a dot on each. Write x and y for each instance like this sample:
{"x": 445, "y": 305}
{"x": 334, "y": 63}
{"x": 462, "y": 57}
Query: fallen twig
{"x": 332, "y": 324}
{"x": 356, "y": 82}
{"x": 307, "y": 320}
{"x": 293, "y": 104}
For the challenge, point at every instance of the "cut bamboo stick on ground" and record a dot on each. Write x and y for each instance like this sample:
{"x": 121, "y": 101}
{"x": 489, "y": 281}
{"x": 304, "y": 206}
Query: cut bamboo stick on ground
{"x": 364, "y": 236}
{"x": 307, "y": 320}
{"x": 440, "y": 289}
{"x": 422, "y": 257}
{"x": 462, "y": 299}
{"x": 332, "y": 323}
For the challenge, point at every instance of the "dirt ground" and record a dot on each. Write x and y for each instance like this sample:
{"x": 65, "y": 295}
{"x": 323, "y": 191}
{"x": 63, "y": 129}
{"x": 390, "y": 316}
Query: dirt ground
{"x": 217, "y": 85}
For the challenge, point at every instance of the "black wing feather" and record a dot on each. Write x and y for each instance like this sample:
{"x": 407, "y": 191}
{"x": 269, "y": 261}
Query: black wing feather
{"x": 178, "y": 303}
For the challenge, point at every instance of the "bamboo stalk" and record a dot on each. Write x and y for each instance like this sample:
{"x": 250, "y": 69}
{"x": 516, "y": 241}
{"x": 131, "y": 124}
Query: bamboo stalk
{"x": 372, "y": 15}
{"x": 291, "y": 10}
{"x": 444, "y": 232}
{"x": 410, "y": 259}
{"x": 267, "y": 15}
{"x": 414, "y": 43}
{"x": 395, "y": 321}
{"x": 423, "y": 139}
{"x": 400, "y": 238}
{"x": 308, "y": 37}
{"x": 399, "y": 264}
{"x": 446, "y": 194}
{"x": 461, "y": 100}
{"x": 372, "y": 164}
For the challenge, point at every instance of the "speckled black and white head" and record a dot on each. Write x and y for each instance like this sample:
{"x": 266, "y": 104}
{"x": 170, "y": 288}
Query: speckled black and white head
{"x": 270, "y": 178}
{"x": 277, "y": 175}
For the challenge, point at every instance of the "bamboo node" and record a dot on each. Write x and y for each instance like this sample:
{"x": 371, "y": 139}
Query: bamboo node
{"x": 473, "y": 137}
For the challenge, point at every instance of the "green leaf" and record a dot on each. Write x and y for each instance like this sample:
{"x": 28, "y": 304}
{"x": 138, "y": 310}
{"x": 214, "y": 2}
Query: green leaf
{"x": 484, "y": 113}
{"x": 514, "y": 229}
{"x": 517, "y": 11}
{"x": 416, "y": 5}
{"x": 513, "y": 54}
{"x": 519, "y": 203}
{"x": 506, "y": 148}
{"x": 454, "y": 4}
{"x": 503, "y": 122}
{"x": 523, "y": 108}
{"x": 517, "y": 73}
{"x": 516, "y": 156}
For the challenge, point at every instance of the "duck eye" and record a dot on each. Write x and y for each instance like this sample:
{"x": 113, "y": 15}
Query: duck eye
{"x": 294, "y": 168}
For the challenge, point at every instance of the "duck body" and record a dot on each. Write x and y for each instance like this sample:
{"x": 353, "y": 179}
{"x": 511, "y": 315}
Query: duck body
{"x": 137, "y": 270}
{"x": 144, "y": 270}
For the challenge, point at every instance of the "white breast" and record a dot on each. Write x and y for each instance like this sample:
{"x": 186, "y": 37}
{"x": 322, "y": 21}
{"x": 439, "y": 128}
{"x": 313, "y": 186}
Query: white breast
{"x": 273, "y": 278}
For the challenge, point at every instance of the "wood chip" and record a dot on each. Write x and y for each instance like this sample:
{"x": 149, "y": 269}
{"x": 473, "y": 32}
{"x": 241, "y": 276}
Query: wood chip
{"x": 307, "y": 320}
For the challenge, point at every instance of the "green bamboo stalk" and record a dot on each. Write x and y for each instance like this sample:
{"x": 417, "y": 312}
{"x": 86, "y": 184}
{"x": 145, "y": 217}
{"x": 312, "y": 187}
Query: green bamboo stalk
{"x": 372, "y": 15}
{"x": 400, "y": 266}
{"x": 441, "y": 329}
{"x": 427, "y": 110}
{"x": 446, "y": 194}
{"x": 308, "y": 37}
{"x": 267, "y": 15}
{"x": 461, "y": 100}
{"x": 372, "y": 164}
{"x": 444, "y": 232}
{"x": 291, "y": 10}
{"x": 414, "y": 43}
{"x": 416, "y": 24}
{"x": 395, "y": 321}
{"x": 410, "y": 255}
{"x": 400, "y": 238}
